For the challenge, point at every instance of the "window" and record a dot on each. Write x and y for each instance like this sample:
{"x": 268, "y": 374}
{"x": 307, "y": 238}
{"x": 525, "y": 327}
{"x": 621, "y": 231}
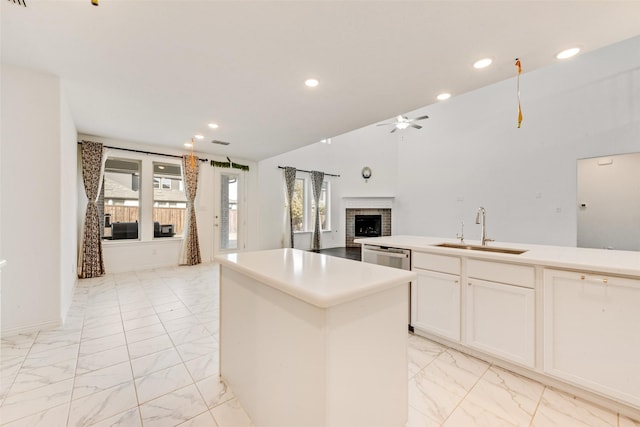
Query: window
{"x": 120, "y": 196}
{"x": 169, "y": 200}
{"x": 325, "y": 224}
{"x": 298, "y": 203}
{"x": 304, "y": 206}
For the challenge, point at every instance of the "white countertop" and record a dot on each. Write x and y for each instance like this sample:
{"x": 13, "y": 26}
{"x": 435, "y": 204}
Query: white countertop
{"x": 592, "y": 260}
{"x": 317, "y": 279}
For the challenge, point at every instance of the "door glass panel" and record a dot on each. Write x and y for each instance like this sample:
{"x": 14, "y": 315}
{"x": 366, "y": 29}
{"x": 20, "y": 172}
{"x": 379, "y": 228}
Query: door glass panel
{"x": 228, "y": 211}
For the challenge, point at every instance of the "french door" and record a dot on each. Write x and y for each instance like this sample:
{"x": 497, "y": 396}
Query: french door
{"x": 229, "y": 212}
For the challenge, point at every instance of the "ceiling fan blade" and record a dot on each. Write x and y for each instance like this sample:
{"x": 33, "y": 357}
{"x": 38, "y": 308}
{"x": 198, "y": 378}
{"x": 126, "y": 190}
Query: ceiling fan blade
{"x": 421, "y": 118}
{"x": 416, "y": 126}
{"x": 384, "y": 124}
{"x": 393, "y": 130}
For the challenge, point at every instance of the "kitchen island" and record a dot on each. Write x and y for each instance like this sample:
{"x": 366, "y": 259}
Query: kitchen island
{"x": 312, "y": 340}
{"x": 565, "y": 316}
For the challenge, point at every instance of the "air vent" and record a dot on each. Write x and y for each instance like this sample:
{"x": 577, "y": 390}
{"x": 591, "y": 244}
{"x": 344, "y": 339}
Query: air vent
{"x": 215, "y": 141}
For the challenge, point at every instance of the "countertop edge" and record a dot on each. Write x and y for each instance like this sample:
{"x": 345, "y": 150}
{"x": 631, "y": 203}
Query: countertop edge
{"x": 401, "y": 277}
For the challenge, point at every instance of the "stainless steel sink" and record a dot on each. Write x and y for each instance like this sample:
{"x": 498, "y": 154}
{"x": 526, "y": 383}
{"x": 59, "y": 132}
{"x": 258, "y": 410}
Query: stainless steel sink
{"x": 481, "y": 248}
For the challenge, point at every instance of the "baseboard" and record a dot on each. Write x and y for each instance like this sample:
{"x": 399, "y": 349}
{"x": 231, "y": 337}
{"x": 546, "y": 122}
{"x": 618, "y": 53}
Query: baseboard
{"x": 30, "y": 328}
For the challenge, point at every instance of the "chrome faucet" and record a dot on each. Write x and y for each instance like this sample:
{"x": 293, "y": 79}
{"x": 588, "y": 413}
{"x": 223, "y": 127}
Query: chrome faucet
{"x": 482, "y": 213}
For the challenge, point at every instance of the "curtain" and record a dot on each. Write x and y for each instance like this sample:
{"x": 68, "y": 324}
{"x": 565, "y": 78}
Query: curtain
{"x": 91, "y": 261}
{"x": 316, "y": 182}
{"x": 290, "y": 182}
{"x": 191, "y": 248}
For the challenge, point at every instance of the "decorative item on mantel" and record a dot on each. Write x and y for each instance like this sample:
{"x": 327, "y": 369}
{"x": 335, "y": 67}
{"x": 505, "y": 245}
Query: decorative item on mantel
{"x": 366, "y": 173}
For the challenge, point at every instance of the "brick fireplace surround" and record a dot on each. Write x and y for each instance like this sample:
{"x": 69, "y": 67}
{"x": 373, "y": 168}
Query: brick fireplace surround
{"x": 350, "y": 220}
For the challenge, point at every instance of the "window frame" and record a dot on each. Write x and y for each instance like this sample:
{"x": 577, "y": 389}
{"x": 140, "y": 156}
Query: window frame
{"x": 308, "y": 206}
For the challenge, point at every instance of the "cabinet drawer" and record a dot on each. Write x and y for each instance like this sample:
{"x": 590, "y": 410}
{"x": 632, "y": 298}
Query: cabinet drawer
{"x": 520, "y": 275}
{"x": 441, "y": 263}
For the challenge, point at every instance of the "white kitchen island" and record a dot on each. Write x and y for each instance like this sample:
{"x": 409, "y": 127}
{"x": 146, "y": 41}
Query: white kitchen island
{"x": 313, "y": 340}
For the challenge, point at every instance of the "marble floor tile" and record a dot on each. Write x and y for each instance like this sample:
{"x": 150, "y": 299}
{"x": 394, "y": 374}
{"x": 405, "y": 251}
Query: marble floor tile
{"x": 144, "y": 333}
{"x": 20, "y": 405}
{"x": 203, "y": 420}
{"x": 214, "y": 391}
{"x": 149, "y": 346}
{"x": 102, "y": 344}
{"x": 140, "y": 322}
{"x": 50, "y": 340}
{"x": 155, "y": 362}
{"x": 558, "y": 409}
{"x": 100, "y": 331}
{"x": 99, "y": 406}
{"x": 136, "y": 312}
{"x": 162, "y": 382}
{"x": 173, "y": 408}
{"x": 421, "y": 352}
{"x": 102, "y": 379}
{"x": 56, "y": 416}
{"x": 231, "y": 414}
{"x": 203, "y": 366}
{"x": 418, "y": 419}
{"x": 198, "y": 348}
{"x": 183, "y": 322}
{"x": 129, "y": 418}
{"x": 433, "y": 399}
{"x": 500, "y": 398}
{"x": 189, "y": 334}
{"x": 46, "y": 358}
{"x": 95, "y": 361}
{"x": 32, "y": 378}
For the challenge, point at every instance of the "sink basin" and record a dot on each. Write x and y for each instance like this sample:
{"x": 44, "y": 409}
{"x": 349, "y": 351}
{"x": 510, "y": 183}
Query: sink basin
{"x": 482, "y": 248}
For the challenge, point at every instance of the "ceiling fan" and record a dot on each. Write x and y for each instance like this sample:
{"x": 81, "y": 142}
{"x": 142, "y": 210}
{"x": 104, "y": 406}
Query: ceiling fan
{"x": 403, "y": 122}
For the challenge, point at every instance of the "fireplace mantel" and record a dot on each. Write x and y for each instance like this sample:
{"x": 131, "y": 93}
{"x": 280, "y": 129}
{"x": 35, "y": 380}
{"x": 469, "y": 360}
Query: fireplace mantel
{"x": 368, "y": 202}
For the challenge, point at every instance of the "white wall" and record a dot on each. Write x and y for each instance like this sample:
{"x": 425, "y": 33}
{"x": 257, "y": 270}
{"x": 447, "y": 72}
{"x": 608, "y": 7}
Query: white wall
{"x": 123, "y": 256}
{"x": 68, "y": 207}
{"x": 31, "y": 199}
{"x": 470, "y": 154}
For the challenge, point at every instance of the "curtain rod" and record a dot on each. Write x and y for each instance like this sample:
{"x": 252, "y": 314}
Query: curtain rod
{"x": 302, "y": 170}
{"x": 146, "y": 152}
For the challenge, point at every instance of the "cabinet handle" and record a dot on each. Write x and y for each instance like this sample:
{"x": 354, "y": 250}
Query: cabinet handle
{"x": 604, "y": 279}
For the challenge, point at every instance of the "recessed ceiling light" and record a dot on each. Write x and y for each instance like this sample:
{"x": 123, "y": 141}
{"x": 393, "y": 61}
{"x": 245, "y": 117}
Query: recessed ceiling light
{"x": 188, "y": 144}
{"x": 198, "y": 136}
{"x": 482, "y": 63}
{"x": 213, "y": 125}
{"x": 326, "y": 141}
{"x": 568, "y": 53}
{"x": 443, "y": 96}
{"x": 311, "y": 82}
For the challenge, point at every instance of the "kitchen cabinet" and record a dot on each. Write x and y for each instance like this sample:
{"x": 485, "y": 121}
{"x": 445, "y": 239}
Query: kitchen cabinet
{"x": 435, "y": 295}
{"x": 500, "y": 310}
{"x": 592, "y": 332}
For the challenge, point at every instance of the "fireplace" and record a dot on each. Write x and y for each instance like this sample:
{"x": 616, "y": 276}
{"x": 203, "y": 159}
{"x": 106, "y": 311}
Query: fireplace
{"x": 368, "y": 226}
{"x": 366, "y": 222}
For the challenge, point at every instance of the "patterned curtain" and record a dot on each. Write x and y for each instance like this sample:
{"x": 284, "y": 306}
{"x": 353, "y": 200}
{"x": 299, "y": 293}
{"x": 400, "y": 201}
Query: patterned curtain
{"x": 290, "y": 181}
{"x": 91, "y": 261}
{"x": 191, "y": 247}
{"x": 316, "y": 182}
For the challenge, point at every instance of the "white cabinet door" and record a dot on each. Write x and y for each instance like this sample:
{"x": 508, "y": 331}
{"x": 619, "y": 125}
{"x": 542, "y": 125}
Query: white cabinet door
{"x": 592, "y": 332}
{"x": 436, "y": 303}
{"x": 501, "y": 320}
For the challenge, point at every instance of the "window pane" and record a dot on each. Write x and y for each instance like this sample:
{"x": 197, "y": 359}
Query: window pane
{"x": 325, "y": 224}
{"x": 120, "y": 199}
{"x": 169, "y": 200}
{"x": 229, "y": 211}
{"x": 297, "y": 204}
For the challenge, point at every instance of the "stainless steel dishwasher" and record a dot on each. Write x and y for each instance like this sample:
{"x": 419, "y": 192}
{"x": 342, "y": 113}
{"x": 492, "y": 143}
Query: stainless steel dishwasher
{"x": 390, "y": 257}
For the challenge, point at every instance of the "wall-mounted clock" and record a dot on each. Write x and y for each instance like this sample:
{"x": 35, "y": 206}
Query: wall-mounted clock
{"x": 366, "y": 173}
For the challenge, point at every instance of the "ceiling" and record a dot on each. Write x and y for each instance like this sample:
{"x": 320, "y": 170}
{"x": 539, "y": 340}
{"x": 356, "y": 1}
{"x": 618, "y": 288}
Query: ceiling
{"x": 158, "y": 72}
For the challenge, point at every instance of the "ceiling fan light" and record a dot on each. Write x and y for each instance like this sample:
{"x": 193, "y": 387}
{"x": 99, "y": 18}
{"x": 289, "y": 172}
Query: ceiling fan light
{"x": 402, "y": 125}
